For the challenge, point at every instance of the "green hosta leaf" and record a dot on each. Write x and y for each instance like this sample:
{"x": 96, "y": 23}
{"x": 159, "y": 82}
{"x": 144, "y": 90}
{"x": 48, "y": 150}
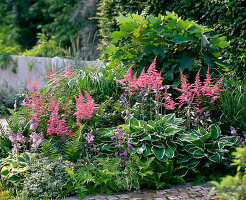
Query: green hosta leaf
{"x": 148, "y": 127}
{"x": 188, "y": 137}
{"x": 152, "y": 123}
{"x": 22, "y": 164}
{"x": 147, "y": 137}
{"x": 134, "y": 122}
{"x": 168, "y": 119}
{"x": 228, "y": 140}
{"x": 26, "y": 156}
{"x": 198, "y": 154}
{"x": 171, "y": 145}
{"x": 164, "y": 159}
{"x": 5, "y": 172}
{"x": 190, "y": 147}
{"x": 183, "y": 172}
{"x": 14, "y": 164}
{"x": 169, "y": 153}
{"x": 13, "y": 178}
{"x": 193, "y": 162}
{"x": 215, "y": 158}
{"x": 171, "y": 130}
{"x": 106, "y": 147}
{"x": 199, "y": 143}
{"x": 158, "y": 152}
{"x": 183, "y": 159}
{"x": 215, "y": 131}
{"x": 147, "y": 151}
{"x": 21, "y": 159}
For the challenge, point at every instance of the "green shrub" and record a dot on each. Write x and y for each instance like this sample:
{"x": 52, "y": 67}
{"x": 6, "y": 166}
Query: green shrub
{"x": 225, "y": 17}
{"x": 46, "y": 178}
{"x": 178, "y": 44}
{"x": 45, "y": 48}
{"x": 233, "y": 187}
{"x": 108, "y": 176}
{"x": 5, "y": 56}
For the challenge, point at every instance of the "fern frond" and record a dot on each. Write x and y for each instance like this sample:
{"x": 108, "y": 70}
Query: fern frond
{"x": 49, "y": 149}
{"x": 73, "y": 146}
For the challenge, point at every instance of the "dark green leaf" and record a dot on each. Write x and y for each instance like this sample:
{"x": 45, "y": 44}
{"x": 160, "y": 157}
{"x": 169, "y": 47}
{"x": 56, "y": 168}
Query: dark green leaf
{"x": 215, "y": 131}
{"x": 158, "y": 152}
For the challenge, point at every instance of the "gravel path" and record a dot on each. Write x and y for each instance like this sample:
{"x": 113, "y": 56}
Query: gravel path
{"x": 179, "y": 192}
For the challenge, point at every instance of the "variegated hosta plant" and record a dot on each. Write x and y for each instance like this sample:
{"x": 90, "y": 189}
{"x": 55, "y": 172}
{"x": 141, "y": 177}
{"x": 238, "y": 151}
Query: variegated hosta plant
{"x": 158, "y": 138}
{"x": 167, "y": 139}
{"x": 201, "y": 147}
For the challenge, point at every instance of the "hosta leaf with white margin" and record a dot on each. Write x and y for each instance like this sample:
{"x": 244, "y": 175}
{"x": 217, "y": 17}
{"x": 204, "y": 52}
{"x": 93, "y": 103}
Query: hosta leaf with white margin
{"x": 215, "y": 131}
{"x": 159, "y": 151}
{"x": 188, "y": 137}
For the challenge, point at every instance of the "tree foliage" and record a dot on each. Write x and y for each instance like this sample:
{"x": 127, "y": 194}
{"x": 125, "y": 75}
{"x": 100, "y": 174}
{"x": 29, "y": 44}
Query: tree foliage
{"x": 226, "y": 17}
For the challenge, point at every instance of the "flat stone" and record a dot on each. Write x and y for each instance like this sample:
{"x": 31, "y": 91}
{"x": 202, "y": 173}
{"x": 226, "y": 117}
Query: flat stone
{"x": 173, "y": 198}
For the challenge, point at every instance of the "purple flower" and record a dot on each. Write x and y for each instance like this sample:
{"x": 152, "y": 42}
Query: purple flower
{"x": 233, "y": 131}
{"x": 89, "y": 138}
{"x": 34, "y": 125}
{"x": 244, "y": 134}
{"x": 21, "y": 138}
{"x": 36, "y": 140}
{"x": 121, "y": 144}
{"x": 16, "y": 139}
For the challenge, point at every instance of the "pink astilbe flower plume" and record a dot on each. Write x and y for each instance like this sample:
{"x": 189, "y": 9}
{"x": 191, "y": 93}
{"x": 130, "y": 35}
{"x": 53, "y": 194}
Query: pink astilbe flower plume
{"x": 52, "y": 76}
{"x": 187, "y": 95}
{"x": 34, "y": 102}
{"x": 85, "y": 107}
{"x": 129, "y": 82}
{"x": 67, "y": 71}
{"x": 169, "y": 102}
{"x": 57, "y": 126}
{"x": 154, "y": 79}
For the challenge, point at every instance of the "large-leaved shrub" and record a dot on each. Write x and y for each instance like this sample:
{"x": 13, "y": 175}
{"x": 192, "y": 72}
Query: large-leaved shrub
{"x": 178, "y": 43}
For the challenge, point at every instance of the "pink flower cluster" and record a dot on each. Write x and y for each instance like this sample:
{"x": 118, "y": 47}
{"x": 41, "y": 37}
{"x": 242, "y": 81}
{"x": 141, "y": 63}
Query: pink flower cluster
{"x": 57, "y": 76}
{"x": 151, "y": 79}
{"x": 57, "y": 126}
{"x": 34, "y": 102}
{"x": 85, "y": 107}
{"x": 194, "y": 94}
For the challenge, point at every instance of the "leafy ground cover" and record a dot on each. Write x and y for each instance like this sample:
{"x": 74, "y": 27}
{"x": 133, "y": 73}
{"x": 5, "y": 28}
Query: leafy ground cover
{"x": 106, "y": 130}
